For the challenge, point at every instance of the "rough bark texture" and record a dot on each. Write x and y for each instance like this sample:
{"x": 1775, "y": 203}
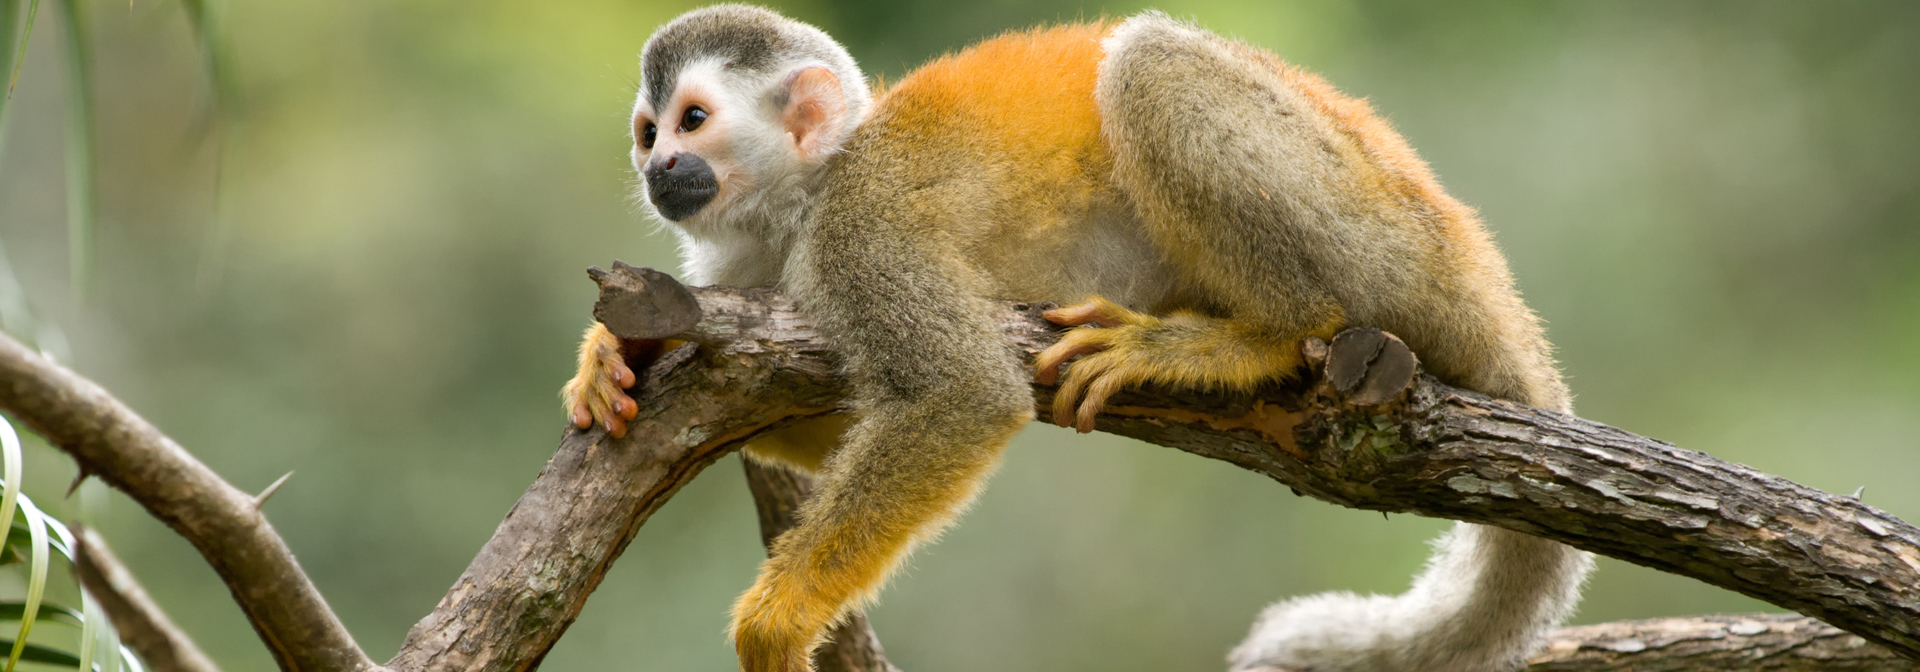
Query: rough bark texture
{"x": 777, "y": 494}
{"x": 141, "y": 623}
{"x": 112, "y": 442}
{"x": 1771, "y": 642}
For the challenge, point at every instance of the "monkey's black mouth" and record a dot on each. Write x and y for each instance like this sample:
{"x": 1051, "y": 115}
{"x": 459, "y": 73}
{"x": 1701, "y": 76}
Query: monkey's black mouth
{"x": 681, "y": 185}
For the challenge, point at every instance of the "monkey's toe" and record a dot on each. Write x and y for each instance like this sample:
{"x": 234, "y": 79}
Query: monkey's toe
{"x": 1046, "y": 366}
{"x": 1090, "y": 381}
{"x": 1096, "y": 311}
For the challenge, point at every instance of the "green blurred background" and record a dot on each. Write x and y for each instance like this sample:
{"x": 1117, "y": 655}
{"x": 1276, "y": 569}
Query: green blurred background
{"x": 1713, "y": 205}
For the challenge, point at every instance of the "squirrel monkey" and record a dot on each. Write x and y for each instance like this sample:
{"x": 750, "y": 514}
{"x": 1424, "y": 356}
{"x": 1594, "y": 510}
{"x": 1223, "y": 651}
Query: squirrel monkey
{"x": 1203, "y": 204}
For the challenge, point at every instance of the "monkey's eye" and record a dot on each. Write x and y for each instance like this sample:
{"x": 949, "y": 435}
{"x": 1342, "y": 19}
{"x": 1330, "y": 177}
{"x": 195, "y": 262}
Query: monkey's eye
{"x": 692, "y": 119}
{"x": 647, "y": 136}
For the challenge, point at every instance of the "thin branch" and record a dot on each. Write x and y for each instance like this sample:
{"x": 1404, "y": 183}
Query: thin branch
{"x": 109, "y": 440}
{"x": 163, "y": 646}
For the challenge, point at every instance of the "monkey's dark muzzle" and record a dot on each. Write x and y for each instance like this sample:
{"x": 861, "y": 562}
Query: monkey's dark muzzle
{"x": 681, "y": 185}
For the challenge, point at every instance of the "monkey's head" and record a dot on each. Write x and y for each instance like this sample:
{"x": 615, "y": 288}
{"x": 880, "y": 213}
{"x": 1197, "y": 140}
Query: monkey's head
{"x": 738, "y": 109}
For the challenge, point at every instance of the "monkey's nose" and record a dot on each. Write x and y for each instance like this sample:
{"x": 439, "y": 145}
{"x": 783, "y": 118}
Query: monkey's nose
{"x": 680, "y": 185}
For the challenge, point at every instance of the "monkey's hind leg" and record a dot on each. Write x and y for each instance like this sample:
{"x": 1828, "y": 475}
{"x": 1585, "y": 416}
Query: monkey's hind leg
{"x": 1124, "y": 348}
{"x": 1278, "y": 198}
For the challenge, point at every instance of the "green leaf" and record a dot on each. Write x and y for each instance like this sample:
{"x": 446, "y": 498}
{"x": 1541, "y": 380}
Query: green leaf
{"x": 36, "y": 581}
{"x": 34, "y": 653}
{"x": 221, "y": 118}
{"x": 20, "y": 58}
{"x": 9, "y": 11}
{"x": 12, "y": 611}
{"x": 10, "y": 466}
{"x": 80, "y": 170}
{"x": 89, "y": 630}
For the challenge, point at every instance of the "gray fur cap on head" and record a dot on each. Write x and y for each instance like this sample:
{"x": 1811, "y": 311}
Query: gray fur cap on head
{"x": 745, "y": 39}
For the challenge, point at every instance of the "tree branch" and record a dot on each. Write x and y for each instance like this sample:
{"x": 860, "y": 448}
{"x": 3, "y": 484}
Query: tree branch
{"x": 140, "y": 622}
{"x": 1772, "y": 642}
{"x": 109, "y": 440}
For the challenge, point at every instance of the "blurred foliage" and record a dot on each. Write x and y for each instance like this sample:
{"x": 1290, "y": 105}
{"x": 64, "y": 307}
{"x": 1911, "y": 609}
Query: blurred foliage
{"x": 1713, "y": 204}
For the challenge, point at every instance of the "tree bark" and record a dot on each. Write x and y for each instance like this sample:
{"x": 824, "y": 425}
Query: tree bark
{"x": 1770, "y": 642}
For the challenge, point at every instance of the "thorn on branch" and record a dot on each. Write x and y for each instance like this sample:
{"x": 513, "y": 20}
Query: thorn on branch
{"x": 261, "y": 499}
{"x": 77, "y": 480}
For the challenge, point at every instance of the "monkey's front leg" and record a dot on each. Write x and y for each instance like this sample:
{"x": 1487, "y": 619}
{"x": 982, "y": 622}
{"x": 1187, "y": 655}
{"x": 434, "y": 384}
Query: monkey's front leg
{"x": 905, "y": 470}
{"x": 1184, "y": 349}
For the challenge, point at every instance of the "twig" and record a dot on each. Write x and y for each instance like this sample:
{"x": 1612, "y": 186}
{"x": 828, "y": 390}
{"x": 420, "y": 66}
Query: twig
{"x": 163, "y": 646}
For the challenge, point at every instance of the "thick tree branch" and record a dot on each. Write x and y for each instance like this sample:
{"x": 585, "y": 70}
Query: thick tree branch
{"x": 1771, "y": 642}
{"x": 111, "y": 441}
{"x": 141, "y": 623}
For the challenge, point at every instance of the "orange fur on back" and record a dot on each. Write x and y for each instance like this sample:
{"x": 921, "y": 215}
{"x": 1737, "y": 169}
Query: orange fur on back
{"x": 1043, "y": 103}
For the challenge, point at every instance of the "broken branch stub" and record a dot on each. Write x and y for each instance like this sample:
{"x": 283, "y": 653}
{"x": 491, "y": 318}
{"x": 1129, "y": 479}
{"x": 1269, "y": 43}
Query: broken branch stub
{"x": 642, "y": 303}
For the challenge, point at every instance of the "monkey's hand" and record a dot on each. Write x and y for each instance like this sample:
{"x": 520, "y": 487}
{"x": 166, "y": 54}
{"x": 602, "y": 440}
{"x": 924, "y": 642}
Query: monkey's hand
{"x": 1184, "y": 349}
{"x": 595, "y": 395}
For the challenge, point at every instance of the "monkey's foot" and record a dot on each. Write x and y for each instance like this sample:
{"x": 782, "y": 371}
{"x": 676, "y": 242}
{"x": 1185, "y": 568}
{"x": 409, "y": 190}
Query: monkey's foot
{"x": 777, "y": 623}
{"x": 595, "y": 395}
{"x": 1127, "y": 348}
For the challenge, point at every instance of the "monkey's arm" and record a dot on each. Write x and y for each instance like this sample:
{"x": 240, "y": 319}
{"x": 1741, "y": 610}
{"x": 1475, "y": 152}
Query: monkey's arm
{"x": 938, "y": 391}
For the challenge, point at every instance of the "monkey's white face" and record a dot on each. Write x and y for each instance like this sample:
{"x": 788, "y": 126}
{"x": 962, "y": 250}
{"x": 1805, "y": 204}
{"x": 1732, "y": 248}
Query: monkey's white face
{"x": 731, "y": 148}
{"x": 682, "y": 151}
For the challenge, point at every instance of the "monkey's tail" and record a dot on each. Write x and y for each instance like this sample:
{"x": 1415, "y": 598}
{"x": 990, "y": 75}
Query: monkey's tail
{"x": 1485, "y": 601}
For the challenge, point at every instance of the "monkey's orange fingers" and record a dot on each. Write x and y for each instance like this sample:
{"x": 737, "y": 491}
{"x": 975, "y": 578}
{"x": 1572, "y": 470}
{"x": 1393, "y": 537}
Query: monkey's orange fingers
{"x": 1096, "y": 399}
{"x": 1046, "y": 366}
{"x": 1067, "y": 398}
{"x": 1092, "y": 311}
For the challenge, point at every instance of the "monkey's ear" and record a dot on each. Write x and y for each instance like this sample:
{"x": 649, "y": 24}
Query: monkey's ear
{"x": 815, "y": 112}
